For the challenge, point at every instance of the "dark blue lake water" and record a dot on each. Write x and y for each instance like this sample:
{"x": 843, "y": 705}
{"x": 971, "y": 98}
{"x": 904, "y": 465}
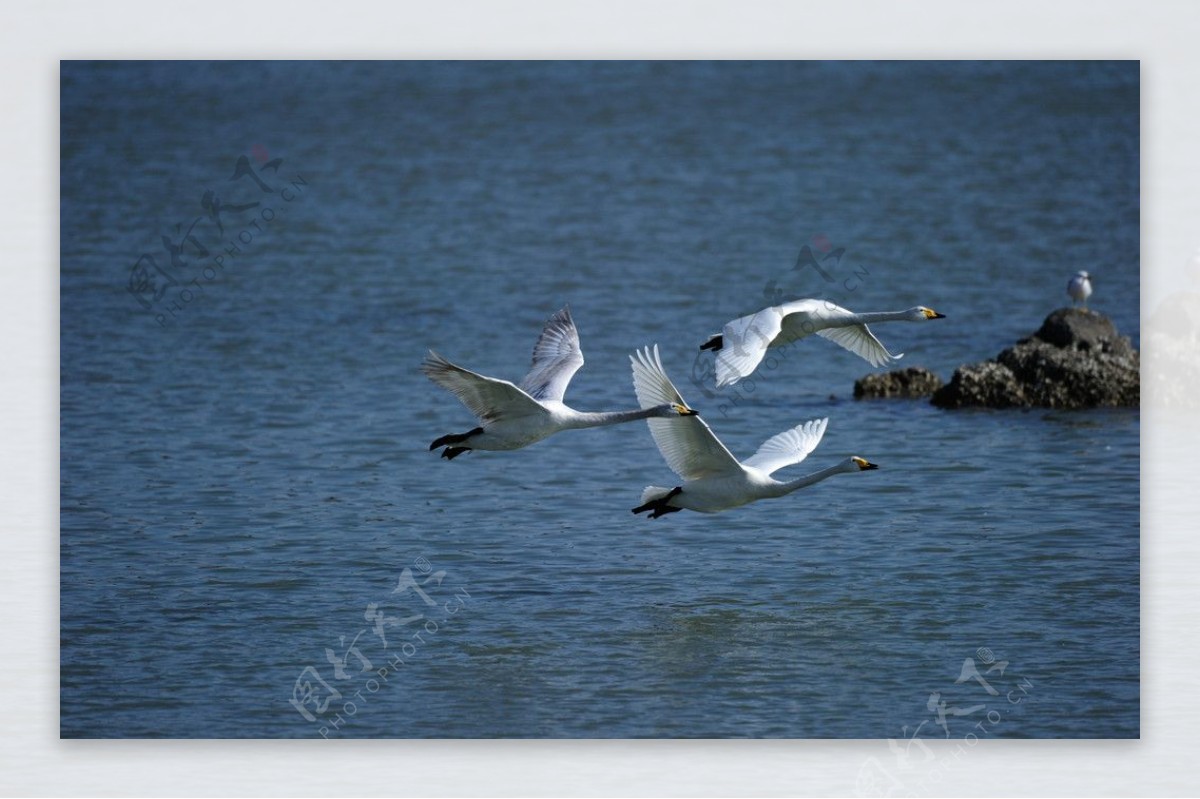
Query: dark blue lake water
{"x": 245, "y": 474}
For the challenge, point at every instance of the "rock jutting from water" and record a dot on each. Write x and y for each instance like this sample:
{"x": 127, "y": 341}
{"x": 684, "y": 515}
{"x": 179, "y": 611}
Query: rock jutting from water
{"x": 1077, "y": 359}
{"x": 911, "y": 383}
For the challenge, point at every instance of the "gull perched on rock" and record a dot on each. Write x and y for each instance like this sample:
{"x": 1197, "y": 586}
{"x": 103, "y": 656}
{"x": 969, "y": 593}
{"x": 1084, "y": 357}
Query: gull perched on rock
{"x": 1080, "y": 288}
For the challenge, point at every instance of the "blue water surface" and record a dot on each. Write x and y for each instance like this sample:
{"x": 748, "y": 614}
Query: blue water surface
{"x": 245, "y": 474}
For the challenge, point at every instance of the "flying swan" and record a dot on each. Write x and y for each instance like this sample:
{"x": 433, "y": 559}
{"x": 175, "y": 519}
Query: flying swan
{"x": 516, "y": 416}
{"x": 714, "y": 480}
{"x": 740, "y": 347}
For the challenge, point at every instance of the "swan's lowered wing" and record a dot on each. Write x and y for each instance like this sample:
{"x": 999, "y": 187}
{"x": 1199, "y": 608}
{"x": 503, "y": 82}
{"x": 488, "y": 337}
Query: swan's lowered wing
{"x": 862, "y": 342}
{"x": 490, "y": 399}
{"x": 744, "y": 342}
{"x": 686, "y": 442}
{"x": 789, "y": 447}
{"x": 556, "y": 359}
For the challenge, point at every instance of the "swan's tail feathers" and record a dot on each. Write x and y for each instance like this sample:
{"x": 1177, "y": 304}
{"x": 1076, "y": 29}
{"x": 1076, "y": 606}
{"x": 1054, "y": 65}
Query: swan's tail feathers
{"x": 651, "y": 493}
{"x": 655, "y": 499}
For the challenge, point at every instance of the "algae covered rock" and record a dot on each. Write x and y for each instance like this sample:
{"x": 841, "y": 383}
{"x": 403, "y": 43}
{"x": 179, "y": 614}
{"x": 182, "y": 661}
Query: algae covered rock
{"x": 1076, "y": 359}
{"x": 911, "y": 383}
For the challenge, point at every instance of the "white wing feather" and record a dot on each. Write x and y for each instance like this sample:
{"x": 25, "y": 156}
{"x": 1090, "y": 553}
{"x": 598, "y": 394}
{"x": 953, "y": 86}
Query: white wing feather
{"x": 556, "y": 358}
{"x": 789, "y": 447}
{"x": 686, "y": 443}
{"x": 488, "y": 398}
{"x": 862, "y": 342}
{"x": 744, "y": 342}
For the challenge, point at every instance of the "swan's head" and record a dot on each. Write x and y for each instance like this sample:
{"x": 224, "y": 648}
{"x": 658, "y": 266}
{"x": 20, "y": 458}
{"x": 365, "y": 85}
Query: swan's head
{"x": 675, "y": 409}
{"x": 857, "y": 464}
{"x": 1083, "y": 275}
{"x": 922, "y": 314}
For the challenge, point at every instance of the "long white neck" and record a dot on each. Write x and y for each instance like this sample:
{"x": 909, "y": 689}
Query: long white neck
{"x": 878, "y": 316}
{"x": 782, "y": 489}
{"x": 588, "y": 419}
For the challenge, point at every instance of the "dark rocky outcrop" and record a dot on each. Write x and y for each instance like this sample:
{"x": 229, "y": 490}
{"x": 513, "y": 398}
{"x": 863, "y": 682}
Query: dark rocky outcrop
{"x": 1077, "y": 359}
{"x": 911, "y": 383}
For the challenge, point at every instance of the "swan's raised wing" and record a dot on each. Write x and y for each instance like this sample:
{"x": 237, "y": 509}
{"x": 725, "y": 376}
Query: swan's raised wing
{"x": 744, "y": 342}
{"x": 686, "y": 442}
{"x": 556, "y": 359}
{"x": 789, "y": 447}
{"x": 862, "y": 342}
{"x": 490, "y": 399}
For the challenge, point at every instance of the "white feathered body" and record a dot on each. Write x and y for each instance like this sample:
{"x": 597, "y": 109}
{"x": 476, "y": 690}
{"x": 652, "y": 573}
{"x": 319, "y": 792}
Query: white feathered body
{"x": 715, "y": 494}
{"x": 521, "y": 431}
{"x": 805, "y": 318}
{"x": 1080, "y": 287}
{"x": 518, "y": 432}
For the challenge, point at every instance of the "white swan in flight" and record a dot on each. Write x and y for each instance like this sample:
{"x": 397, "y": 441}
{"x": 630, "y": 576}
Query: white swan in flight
{"x": 714, "y": 480}
{"x": 741, "y": 346}
{"x": 1080, "y": 288}
{"x": 512, "y": 416}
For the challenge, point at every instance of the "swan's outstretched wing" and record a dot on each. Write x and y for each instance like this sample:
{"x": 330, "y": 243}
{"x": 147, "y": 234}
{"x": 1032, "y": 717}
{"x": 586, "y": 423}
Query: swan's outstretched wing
{"x": 744, "y": 342}
{"x": 802, "y": 317}
{"x": 686, "y": 442}
{"x": 789, "y": 447}
{"x": 490, "y": 399}
{"x": 862, "y": 342}
{"x": 556, "y": 358}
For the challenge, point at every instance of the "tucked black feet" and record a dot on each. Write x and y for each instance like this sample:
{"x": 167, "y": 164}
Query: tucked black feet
{"x": 450, "y": 453}
{"x": 454, "y": 438}
{"x": 715, "y": 343}
{"x": 659, "y": 506}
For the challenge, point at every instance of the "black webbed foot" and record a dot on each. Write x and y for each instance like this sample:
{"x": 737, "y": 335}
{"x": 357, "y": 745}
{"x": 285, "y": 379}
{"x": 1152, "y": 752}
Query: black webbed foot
{"x": 454, "y": 438}
{"x": 659, "y": 506}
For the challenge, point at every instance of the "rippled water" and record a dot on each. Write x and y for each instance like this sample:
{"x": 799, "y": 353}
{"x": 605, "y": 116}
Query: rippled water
{"x": 244, "y": 483}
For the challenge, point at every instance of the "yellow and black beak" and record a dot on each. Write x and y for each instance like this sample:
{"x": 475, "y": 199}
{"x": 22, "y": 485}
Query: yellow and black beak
{"x": 932, "y": 314}
{"x": 864, "y": 464}
{"x": 684, "y": 410}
